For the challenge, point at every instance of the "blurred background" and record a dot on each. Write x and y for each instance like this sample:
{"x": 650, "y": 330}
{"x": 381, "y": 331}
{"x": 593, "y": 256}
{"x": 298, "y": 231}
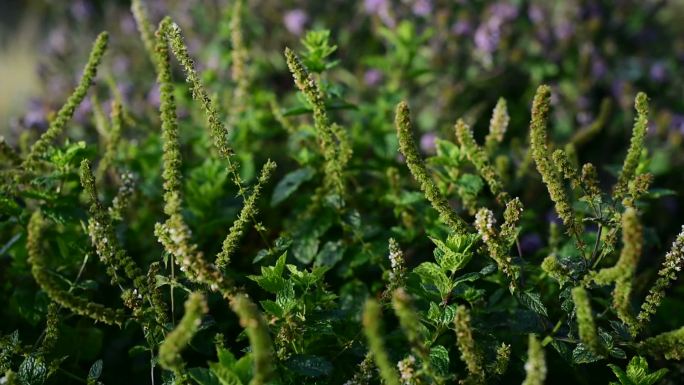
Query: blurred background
{"x": 479, "y": 50}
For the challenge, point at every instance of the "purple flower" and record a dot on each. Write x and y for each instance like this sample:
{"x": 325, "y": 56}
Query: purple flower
{"x": 552, "y": 217}
{"x": 598, "y": 68}
{"x": 584, "y": 118}
{"x": 488, "y": 33}
{"x": 154, "y": 96}
{"x": 462, "y": 27}
{"x": 295, "y": 20}
{"x": 504, "y": 11}
{"x": 536, "y": 14}
{"x": 379, "y": 8}
{"x": 530, "y": 243}
{"x": 487, "y": 38}
{"x": 121, "y": 64}
{"x": 658, "y": 72}
{"x": 127, "y": 25}
{"x": 81, "y": 9}
{"x": 564, "y": 30}
{"x": 35, "y": 115}
{"x": 677, "y": 122}
{"x": 372, "y": 77}
{"x": 82, "y": 113}
{"x": 57, "y": 42}
{"x": 422, "y": 7}
{"x": 428, "y": 143}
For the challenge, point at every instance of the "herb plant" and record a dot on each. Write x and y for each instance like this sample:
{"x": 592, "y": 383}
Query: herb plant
{"x": 162, "y": 244}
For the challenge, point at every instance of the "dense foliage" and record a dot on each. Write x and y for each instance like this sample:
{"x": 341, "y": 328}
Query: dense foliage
{"x": 414, "y": 206}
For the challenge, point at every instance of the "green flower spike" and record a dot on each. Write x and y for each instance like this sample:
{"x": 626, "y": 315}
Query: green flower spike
{"x": 65, "y": 113}
{"x": 372, "y": 315}
{"x": 416, "y": 165}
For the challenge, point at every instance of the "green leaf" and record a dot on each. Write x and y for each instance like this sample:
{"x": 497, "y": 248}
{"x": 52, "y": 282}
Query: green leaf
{"x": 224, "y": 375}
{"x": 305, "y": 249}
{"x": 95, "y": 371}
{"x": 226, "y": 357}
{"x": 272, "y": 308}
{"x": 243, "y": 368}
{"x": 271, "y": 278}
{"x": 621, "y": 375}
{"x": 439, "y": 359}
{"x": 32, "y": 371}
{"x": 330, "y": 254}
{"x": 432, "y": 275}
{"x": 638, "y": 372}
{"x": 203, "y": 376}
{"x": 290, "y": 183}
{"x": 532, "y": 301}
{"x": 583, "y": 355}
{"x": 441, "y": 315}
{"x": 654, "y": 377}
{"x": 309, "y": 366}
{"x": 449, "y": 259}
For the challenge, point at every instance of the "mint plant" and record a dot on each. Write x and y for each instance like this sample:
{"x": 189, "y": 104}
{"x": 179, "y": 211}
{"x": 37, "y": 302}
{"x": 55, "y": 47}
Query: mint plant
{"x": 243, "y": 231}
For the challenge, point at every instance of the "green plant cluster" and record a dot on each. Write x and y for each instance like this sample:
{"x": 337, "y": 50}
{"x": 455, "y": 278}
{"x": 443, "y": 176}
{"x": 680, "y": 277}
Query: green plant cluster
{"x": 165, "y": 247}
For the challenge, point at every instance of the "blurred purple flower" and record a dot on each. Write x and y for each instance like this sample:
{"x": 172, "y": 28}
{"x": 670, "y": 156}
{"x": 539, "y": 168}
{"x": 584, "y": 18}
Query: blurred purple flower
{"x": 584, "y": 118}
{"x": 504, "y": 11}
{"x": 536, "y": 14}
{"x": 564, "y": 30}
{"x": 552, "y": 217}
{"x": 81, "y": 9}
{"x": 57, "y": 42}
{"x": 372, "y": 77}
{"x": 658, "y": 72}
{"x": 422, "y": 7}
{"x": 530, "y": 243}
{"x": 127, "y": 25}
{"x": 598, "y": 68}
{"x": 379, "y": 8}
{"x": 35, "y": 115}
{"x": 487, "y": 38}
{"x": 428, "y": 143}
{"x": 295, "y": 21}
{"x": 154, "y": 96}
{"x": 121, "y": 64}
{"x": 488, "y": 33}
{"x": 617, "y": 88}
{"x": 677, "y": 122}
{"x": 82, "y": 113}
{"x": 462, "y": 27}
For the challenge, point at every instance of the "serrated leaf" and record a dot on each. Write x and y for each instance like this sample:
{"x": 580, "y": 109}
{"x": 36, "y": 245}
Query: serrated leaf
{"x": 95, "y": 371}
{"x": 532, "y": 301}
{"x": 273, "y": 308}
{"x": 290, "y": 183}
{"x": 621, "y": 375}
{"x": 583, "y": 355}
{"x": 441, "y": 315}
{"x": 330, "y": 254}
{"x": 432, "y": 274}
{"x": 449, "y": 259}
{"x": 305, "y": 249}
{"x": 224, "y": 375}
{"x": 439, "y": 359}
{"x": 203, "y": 376}
{"x": 309, "y": 366}
{"x": 32, "y": 371}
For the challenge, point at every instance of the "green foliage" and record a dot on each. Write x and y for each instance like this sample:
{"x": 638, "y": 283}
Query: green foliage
{"x": 637, "y": 373}
{"x": 385, "y": 252}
